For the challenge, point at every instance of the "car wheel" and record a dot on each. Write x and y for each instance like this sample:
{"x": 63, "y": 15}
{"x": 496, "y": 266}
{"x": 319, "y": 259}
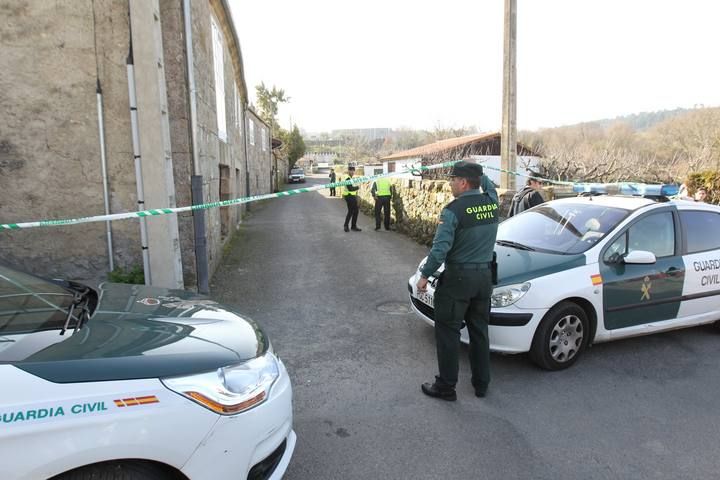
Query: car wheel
{"x": 561, "y": 337}
{"x": 135, "y": 470}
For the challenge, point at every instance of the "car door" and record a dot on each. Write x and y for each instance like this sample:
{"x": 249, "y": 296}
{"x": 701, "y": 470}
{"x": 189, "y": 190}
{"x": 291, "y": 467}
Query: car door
{"x": 701, "y": 293}
{"x": 636, "y": 294}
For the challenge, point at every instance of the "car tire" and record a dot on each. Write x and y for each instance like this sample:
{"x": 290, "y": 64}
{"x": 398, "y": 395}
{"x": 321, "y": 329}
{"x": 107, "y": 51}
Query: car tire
{"x": 561, "y": 338}
{"x": 129, "y": 470}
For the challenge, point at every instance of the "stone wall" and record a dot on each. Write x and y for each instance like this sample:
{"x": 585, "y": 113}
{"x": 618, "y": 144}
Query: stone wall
{"x": 52, "y": 55}
{"x": 49, "y": 137}
{"x": 259, "y": 156}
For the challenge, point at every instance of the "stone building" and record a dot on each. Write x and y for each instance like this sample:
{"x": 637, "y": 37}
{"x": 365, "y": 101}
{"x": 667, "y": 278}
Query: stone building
{"x": 116, "y": 106}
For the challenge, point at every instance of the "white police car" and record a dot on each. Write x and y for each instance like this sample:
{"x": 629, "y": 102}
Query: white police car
{"x": 134, "y": 382}
{"x": 596, "y": 268}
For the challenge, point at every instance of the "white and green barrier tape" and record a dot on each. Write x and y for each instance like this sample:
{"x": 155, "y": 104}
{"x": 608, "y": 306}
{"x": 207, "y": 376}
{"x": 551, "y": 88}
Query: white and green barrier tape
{"x": 204, "y": 206}
{"x": 254, "y": 198}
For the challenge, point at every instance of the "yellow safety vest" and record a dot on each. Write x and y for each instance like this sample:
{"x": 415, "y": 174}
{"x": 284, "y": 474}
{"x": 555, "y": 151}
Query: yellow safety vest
{"x": 348, "y": 192}
{"x": 383, "y": 187}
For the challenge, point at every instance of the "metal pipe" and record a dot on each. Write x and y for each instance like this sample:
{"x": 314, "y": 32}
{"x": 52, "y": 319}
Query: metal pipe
{"x": 200, "y": 237}
{"x": 138, "y": 167}
{"x": 103, "y": 167}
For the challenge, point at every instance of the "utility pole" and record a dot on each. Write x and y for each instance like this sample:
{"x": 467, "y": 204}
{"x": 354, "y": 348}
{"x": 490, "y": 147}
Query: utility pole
{"x": 508, "y": 138}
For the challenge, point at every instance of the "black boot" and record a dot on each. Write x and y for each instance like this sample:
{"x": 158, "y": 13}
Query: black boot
{"x": 442, "y": 392}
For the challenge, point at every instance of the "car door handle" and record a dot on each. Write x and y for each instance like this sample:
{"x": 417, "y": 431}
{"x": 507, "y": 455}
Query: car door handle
{"x": 673, "y": 271}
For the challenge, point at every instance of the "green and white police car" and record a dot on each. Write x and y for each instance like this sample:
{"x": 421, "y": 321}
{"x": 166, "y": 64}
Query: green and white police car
{"x": 596, "y": 268}
{"x": 133, "y": 382}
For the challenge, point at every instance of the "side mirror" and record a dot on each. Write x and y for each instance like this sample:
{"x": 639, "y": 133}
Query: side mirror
{"x": 640, "y": 257}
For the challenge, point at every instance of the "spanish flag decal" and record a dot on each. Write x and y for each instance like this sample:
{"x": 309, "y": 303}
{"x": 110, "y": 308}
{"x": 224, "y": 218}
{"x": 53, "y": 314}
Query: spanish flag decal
{"x": 130, "y": 402}
{"x": 596, "y": 279}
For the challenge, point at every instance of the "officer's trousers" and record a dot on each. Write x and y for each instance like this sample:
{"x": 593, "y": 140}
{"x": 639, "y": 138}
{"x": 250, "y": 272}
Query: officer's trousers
{"x": 382, "y": 203}
{"x": 463, "y": 296}
{"x": 352, "y": 210}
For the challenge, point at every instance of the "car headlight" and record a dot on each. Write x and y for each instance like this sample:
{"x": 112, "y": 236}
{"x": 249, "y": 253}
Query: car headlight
{"x": 230, "y": 390}
{"x": 508, "y": 294}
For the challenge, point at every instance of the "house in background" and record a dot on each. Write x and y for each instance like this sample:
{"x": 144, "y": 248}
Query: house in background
{"x": 124, "y": 105}
{"x": 482, "y": 148}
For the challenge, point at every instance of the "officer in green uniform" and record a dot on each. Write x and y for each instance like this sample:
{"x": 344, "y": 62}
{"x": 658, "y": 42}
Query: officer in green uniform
{"x": 464, "y": 241}
{"x": 382, "y": 193}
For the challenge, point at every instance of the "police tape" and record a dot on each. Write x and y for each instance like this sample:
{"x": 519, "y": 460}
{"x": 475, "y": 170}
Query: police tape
{"x": 223, "y": 203}
{"x": 255, "y": 198}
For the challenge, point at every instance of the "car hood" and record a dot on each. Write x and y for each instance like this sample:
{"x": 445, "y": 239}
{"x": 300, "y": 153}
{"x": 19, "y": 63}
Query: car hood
{"x": 517, "y": 266}
{"x": 142, "y": 332}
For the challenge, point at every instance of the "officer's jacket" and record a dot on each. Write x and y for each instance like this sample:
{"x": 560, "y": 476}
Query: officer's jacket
{"x": 350, "y": 189}
{"x": 467, "y": 229}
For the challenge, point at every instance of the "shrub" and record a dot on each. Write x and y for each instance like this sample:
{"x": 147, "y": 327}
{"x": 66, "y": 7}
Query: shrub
{"x": 710, "y": 179}
{"x": 135, "y": 275}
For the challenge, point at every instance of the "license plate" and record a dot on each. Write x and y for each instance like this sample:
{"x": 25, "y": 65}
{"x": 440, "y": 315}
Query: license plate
{"x": 426, "y": 298}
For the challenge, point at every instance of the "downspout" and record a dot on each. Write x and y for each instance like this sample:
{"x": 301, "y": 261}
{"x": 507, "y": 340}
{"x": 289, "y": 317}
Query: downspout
{"x": 201, "y": 259}
{"x": 138, "y": 169}
{"x": 103, "y": 167}
{"x": 247, "y": 167}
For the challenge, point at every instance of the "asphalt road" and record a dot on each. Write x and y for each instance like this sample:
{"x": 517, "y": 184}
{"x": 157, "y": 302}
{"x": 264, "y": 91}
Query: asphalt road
{"x": 335, "y": 307}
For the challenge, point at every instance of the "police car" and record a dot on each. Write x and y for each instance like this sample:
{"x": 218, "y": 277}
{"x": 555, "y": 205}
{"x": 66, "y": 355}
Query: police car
{"x": 598, "y": 267}
{"x": 296, "y": 175}
{"x": 134, "y": 382}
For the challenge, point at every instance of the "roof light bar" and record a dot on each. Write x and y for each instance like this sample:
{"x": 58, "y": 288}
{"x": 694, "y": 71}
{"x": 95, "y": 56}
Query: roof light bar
{"x": 665, "y": 190}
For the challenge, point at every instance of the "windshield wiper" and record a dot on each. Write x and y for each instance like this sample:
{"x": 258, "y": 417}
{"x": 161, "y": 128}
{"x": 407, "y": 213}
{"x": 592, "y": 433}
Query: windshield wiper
{"x": 81, "y": 298}
{"x": 510, "y": 243}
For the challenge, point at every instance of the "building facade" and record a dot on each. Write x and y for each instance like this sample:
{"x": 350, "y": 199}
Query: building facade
{"x": 122, "y": 105}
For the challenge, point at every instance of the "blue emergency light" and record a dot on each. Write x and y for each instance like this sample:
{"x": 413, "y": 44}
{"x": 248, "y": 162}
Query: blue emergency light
{"x": 640, "y": 189}
{"x": 597, "y": 188}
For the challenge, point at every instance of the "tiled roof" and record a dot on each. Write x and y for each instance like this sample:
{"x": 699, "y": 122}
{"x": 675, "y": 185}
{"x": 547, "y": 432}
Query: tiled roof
{"x": 442, "y": 146}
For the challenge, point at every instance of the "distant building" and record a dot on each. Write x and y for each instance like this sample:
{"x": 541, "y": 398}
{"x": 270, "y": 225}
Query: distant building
{"x": 482, "y": 148}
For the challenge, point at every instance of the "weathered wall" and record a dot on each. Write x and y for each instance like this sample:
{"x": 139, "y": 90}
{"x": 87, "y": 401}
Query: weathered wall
{"x": 259, "y": 157}
{"x": 52, "y": 55}
{"x": 49, "y": 136}
{"x": 222, "y": 161}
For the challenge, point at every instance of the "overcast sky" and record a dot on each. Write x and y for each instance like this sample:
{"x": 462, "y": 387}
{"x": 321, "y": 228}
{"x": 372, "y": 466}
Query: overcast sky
{"x": 426, "y": 63}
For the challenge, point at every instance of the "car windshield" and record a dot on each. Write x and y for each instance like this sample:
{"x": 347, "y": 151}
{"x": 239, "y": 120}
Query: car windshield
{"x": 296, "y": 171}
{"x": 30, "y": 304}
{"x": 565, "y": 228}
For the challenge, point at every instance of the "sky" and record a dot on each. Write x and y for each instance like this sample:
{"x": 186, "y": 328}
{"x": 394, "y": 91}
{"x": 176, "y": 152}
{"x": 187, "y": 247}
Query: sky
{"x": 425, "y": 64}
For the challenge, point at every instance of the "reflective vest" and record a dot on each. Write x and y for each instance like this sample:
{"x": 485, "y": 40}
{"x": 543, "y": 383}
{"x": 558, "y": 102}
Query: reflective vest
{"x": 349, "y": 192}
{"x": 383, "y": 187}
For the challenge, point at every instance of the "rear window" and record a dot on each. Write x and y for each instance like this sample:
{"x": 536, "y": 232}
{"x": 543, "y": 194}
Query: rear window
{"x": 565, "y": 228}
{"x": 702, "y": 230}
{"x": 297, "y": 171}
{"x": 30, "y": 304}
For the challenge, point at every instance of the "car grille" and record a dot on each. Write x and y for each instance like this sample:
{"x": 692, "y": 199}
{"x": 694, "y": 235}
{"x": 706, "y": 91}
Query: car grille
{"x": 264, "y": 469}
{"x": 426, "y": 310}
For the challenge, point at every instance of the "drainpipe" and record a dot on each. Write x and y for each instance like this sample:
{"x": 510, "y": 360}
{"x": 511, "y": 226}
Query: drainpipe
{"x": 103, "y": 166}
{"x": 201, "y": 259}
{"x": 138, "y": 169}
{"x": 247, "y": 167}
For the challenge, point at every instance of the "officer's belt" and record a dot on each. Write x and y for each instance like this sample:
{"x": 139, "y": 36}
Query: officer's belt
{"x": 469, "y": 266}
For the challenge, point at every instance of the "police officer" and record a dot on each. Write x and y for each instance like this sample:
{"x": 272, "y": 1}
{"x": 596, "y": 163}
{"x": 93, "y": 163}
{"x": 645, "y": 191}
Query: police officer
{"x": 382, "y": 193}
{"x": 464, "y": 241}
{"x": 350, "y": 196}
{"x": 333, "y": 179}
